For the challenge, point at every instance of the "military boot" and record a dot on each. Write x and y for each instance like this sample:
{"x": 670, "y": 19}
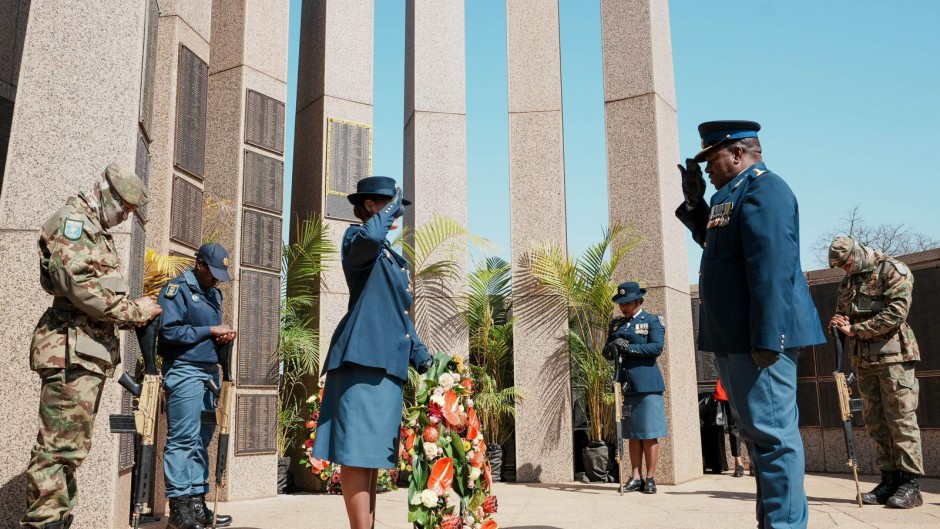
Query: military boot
{"x": 908, "y": 494}
{"x": 890, "y": 481}
{"x": 181, "y": 514}
{"x": 64, "y": 523}
{"x": 204, "y": 515}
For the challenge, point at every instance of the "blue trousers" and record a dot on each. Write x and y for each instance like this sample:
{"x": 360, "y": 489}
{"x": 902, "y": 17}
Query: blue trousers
{"x": 764, "y": 402}
{"x": 186, "y": 455}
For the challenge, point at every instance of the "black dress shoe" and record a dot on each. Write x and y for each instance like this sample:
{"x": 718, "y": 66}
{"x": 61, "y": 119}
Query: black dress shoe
{"x": 633, "y": 485}
{"x": 738, "y": 471}
{"x": 650, "y": 486}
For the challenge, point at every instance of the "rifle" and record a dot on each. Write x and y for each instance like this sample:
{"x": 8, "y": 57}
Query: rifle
{"x": 846, "y": 406}
{"x": 618, "y": 418}
{"x": 143, "y": 422}
{"x": 223, "y": 419}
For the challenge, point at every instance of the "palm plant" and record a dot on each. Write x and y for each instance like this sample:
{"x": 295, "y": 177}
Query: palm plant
{"x": 216, "y": 215}
{"x": 485, "y": 309}
{"x": 586, "y": 286}
{"x": 160, "y": 268}
{"x": 298, "y": 353}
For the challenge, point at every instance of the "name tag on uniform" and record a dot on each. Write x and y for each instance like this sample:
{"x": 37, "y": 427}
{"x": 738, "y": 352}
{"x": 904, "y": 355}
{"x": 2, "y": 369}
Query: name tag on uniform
{"x": 720, "y": 215}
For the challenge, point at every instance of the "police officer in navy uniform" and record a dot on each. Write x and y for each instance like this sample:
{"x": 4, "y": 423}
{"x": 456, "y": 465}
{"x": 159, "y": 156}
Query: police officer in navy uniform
{"x": 639, "y": 337}
{"x": 191, "y": 332}
{"x": 755, "y": 310}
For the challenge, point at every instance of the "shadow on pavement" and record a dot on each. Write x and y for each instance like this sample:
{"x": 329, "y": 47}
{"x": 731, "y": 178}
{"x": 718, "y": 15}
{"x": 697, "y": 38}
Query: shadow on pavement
{"x": 722, "y": 494}
{"x": 589, "y": 488}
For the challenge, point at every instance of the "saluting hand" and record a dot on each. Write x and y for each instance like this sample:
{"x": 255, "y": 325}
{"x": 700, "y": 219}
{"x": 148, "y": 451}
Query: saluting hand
{"x": 693, "y": 184}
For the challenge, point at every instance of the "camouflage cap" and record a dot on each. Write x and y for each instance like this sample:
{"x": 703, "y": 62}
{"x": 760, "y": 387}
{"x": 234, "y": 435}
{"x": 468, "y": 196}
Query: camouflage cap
{"x": 840, "y": 250}
{"x": 127, "y": 185}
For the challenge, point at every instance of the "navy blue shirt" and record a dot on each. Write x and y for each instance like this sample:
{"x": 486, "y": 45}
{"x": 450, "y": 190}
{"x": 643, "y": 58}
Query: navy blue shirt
{"x": 646, "y": 334}
{"x": 377, "y": 331}
{"x": 188, "y": 313}
{"x": 752, "y": 289}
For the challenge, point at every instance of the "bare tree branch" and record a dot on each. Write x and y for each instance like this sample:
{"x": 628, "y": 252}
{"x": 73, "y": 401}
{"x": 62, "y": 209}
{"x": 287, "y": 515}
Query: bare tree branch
{"x": 892, "y": 239}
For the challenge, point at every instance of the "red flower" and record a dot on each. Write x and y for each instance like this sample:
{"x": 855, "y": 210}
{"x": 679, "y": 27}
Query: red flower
{"x": 431, "y": 434}
{"x": 452, "y": 522}
{"x": 490, "y": 505}
{"x": 311, "y": 424}
{"x": 308, "y": 443}
{"x": 435, "y": 412}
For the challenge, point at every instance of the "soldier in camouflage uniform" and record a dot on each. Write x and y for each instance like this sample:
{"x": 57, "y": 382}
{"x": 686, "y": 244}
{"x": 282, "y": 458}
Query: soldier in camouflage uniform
{"x": 874, "y": 300}
{"x": 75, "y": 344}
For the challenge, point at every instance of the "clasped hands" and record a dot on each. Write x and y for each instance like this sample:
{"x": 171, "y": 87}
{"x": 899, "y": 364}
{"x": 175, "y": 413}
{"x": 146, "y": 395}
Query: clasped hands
{"x": 222, "y": 334}
{"x": 615, "y": 347}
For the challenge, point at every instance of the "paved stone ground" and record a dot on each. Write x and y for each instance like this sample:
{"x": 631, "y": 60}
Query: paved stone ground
{"x": 712, "y": 502}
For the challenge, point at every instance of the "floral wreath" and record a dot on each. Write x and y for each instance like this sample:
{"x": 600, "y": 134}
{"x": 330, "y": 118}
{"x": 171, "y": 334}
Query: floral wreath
{"x": 443, "y": 443}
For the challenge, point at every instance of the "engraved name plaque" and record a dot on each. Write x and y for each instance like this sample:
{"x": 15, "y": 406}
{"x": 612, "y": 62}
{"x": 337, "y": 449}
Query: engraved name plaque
{"x": 259, "y": 300}
{"x": 348, "y": 160}
{"x": 192, "y": 95}
{"x": 264, "y": 182}
{"x": 261, "y": 240}
{"x": 186, "y": 213}
{"x": 264, "y": 122}
{"x": 255, "y": 424}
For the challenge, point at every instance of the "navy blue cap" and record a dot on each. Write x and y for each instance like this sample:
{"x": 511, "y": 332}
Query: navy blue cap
{"x": 714, "y": 133}
{"x": 375, "y": 185}
{"x": 216, "y": 258}
{"x": 627, "y": 292}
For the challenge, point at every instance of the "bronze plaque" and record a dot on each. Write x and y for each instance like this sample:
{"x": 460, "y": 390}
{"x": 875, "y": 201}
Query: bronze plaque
{"x": 255, "y": 424}
{"x": 149, "y": 68}
{"x": 261, "y": 240}
{"x": 264, "y": 122}
{"x": 186, "y": 213}
{"x": 264, "y": 182}
{"x": 259, "y": 328}
{"x": 192, "y": 95}
{"x": 348, "y": 160}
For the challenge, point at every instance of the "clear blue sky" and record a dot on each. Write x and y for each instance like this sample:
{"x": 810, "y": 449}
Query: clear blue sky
{"x": 846, "y": 92}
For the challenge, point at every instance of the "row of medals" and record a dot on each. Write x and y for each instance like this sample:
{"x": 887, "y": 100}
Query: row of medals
{"x": 720, "y": 215}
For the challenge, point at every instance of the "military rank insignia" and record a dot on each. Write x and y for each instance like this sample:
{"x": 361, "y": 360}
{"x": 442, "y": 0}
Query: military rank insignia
{"x": 73, "y": 229}
{"x": 171, "y": 291}
{"x": 720, "y": 215}
{"x": 642, "y": 329}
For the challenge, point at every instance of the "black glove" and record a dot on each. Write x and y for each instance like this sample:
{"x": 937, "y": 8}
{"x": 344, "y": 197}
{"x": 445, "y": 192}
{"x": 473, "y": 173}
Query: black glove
{"x": 396, "y": 202}
{"x": 764, "y": 357}
{"x": 693, "y": 185}
{"x": 423, "y": 367}
{"x": 609, "y": 351}
{"x": 621, "y": 345}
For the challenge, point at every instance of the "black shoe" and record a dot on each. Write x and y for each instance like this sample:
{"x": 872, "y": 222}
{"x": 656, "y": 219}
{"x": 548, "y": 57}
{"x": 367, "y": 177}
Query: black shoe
{"x": 738, "y": 471}
{"x": 202, "y": 513}
{"x": 908, "y": 494}
{"x": 890, "y": 481}
{"x": 181, "y": 514}
{"x": 633, "y": 485}
{"x": 650, "y": 486}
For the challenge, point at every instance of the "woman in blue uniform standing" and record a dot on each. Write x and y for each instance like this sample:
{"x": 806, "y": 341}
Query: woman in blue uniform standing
{"x": 638, "y": 338}
{"x": 367, "y": 364}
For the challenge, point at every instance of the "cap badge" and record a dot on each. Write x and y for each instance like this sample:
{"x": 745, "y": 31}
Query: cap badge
{"x": 622, "y": 291}
{"x": 225, "y": 261}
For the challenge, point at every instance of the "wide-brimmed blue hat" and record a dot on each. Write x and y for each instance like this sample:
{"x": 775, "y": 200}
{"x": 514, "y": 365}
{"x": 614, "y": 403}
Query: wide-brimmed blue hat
{"x": 375, "y": 185}
{"x": 715, "y": 133}
{"x": 627, "y": 292}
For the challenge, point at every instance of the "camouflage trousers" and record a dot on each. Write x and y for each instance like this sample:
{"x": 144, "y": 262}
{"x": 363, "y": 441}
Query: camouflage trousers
{"x": 68, "y": 402}
{"x": 890, "y": 395}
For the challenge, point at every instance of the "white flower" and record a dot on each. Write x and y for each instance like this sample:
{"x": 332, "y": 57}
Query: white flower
{"x": 470, "y": 402}
{"x": 462, "y": 409}
{"x": 447, "y": 381}
{"x": 428, "y": 498}
{"x": 312, "y": 398}
{"x": 431, "y": 450}
{"x": 470, "y": 454}
{"x": 475, "y": 473}
{"x": 468, "y": 519}
{"x": 416, "y": 499}
{"x": 438, "y": 399}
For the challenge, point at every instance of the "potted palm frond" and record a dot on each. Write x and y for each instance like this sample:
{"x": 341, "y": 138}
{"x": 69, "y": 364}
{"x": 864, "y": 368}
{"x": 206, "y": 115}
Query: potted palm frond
{"x": 486, "y": 311}
{"x": 587, "y": 287}
{"x": 298, "y": 354}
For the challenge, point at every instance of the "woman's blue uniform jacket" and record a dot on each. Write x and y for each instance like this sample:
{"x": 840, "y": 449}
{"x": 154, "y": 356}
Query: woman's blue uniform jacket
{"x": 377, "y": 331}
{"x": 639, "y": 372}
{"x": 188, "y": 312}
{"x": 753, "y": 292}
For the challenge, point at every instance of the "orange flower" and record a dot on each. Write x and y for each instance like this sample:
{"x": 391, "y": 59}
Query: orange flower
{"x": 479, "y": 457}
{"x": 318, "y": 465}
{"x": 467, "y": 383}
{"x": 442, "y": 476}
{"x": 410, "y": 442}
{"x": 490, "y": 524}
{"x": 451, "y": 409}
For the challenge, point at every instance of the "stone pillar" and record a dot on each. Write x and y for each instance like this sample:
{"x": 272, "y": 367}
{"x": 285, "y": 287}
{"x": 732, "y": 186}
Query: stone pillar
{"x": 642, "y": 152}
{"x": 334, "y": 92}
{"x": 77, "y": 109}
{"x": 537, "y": 201}
{"x": 245, "y": 169}
{"x": 13, "y": 16}
{"x": 435, "y": 174}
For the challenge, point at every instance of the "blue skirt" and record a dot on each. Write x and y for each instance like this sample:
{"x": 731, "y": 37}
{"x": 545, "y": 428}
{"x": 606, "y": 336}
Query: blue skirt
{"x": 644, "y": 416}
{"x": 360, "y": 418}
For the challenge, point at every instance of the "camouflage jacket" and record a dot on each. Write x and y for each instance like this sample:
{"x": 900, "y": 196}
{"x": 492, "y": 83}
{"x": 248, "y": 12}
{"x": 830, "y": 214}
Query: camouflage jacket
{"x": 877, "y": 300}
{"x": 78, "y": 265}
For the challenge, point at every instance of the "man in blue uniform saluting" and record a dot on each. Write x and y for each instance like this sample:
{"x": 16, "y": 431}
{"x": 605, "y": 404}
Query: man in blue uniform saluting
{"x": 190, "y": 335}
{"x": 755, "y": 310}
